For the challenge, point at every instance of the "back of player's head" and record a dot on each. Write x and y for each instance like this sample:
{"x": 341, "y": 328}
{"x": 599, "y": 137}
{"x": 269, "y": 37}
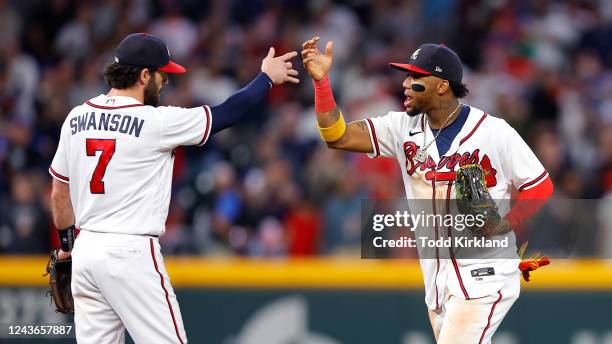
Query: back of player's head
{"x": 120, "y": 76}
{"x": 460, "y": 90}
{"x": 136, "y": 52}
{"x": 147, "y": 51}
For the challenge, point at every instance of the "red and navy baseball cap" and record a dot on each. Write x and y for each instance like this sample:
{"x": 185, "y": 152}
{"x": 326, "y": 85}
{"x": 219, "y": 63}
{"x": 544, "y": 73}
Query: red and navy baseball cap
{"x": 434, "y": 59}
{"x": 144, "y": 50}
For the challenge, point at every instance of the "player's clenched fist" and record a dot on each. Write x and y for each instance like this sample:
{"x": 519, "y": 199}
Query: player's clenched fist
{"x": 316, "y": 63}
{"x": 279, "y": 69}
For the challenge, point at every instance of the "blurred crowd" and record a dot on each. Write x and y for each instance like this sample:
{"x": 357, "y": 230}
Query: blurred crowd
{"x": 269, "y": 187}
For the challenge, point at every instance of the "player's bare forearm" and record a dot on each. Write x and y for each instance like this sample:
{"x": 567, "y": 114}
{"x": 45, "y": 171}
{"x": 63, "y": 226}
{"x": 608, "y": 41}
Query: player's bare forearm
{"x": 356, "y": 138}
{"x": 327, "y": 119}
{"x": 61, "y": 206}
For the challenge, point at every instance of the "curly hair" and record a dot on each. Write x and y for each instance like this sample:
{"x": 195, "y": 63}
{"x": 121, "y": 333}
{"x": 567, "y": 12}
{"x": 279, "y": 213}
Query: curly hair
{"x": 121, "y": 76}
{"x": 459, "y": 90}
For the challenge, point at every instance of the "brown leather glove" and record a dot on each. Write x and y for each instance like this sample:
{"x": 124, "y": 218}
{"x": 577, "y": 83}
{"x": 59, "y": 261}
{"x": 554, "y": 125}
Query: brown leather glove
{"x": 60, "y": 276}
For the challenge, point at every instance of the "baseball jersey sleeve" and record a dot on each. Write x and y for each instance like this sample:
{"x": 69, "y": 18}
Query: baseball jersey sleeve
{"x": 184, "y": 126}
{"x": 59, "y": 166}
{"x": 520, "y": 163}
{"x": 382, "y": 134}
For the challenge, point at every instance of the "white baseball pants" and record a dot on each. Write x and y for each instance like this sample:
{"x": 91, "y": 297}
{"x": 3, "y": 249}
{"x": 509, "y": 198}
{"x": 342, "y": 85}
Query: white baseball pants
{"x": 473, "y": 321}
{"x": 119, "y": 282}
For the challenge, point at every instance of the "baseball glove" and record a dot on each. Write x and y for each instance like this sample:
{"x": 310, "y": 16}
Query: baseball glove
{"x": 474, "y": 198}
{"x": 60, "y": 275}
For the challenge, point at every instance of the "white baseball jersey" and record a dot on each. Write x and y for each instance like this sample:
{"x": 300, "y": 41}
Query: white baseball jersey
{"x": 117, "y": 156}
{"x": 483, "y": 139}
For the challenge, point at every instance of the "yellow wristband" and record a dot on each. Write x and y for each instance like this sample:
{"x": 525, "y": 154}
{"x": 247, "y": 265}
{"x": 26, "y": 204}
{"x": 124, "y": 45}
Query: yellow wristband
{"x": 335, "y": 132}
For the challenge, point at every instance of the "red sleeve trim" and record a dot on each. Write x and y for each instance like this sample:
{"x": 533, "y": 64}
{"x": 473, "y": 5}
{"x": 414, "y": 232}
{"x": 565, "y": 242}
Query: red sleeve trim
{"x": 208, "y": 125}
{"x": 474, "y": 129}
{"x": 535, "y": 181}
{"x": 529, "y": 202}
{"x": 111, "y": 107}
{"x": 58, "y": 176}
{"x": 376, "y": 148}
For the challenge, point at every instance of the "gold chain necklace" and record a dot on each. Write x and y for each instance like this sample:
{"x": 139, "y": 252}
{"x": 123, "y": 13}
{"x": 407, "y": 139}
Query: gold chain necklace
{"x": 421, "y": 154}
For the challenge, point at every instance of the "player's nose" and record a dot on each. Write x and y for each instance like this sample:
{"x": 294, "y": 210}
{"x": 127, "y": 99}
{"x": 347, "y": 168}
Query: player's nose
{"x": 406, "y": 83}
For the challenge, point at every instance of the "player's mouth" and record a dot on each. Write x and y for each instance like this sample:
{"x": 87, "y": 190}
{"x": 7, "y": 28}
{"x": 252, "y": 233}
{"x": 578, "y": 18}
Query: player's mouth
{"x": 408, "y": 101}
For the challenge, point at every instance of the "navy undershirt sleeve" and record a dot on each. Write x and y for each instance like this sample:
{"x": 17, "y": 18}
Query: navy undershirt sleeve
{"x": 240, "y": 103}
{"x": 444, "y": 141}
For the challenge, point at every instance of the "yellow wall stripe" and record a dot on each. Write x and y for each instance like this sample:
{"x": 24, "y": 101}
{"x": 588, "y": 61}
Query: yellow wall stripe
{"x": 319, "y": 273}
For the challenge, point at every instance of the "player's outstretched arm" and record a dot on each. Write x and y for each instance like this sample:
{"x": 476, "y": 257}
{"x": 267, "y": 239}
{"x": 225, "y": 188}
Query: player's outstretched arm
{"x": 274, "y": 70}
{"x": 335, "y": 132}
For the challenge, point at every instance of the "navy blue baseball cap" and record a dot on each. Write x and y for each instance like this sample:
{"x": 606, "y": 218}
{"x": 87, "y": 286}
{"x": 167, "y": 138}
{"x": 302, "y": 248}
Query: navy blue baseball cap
{"x": 434, "y": 59}
{"x": 144, "y": 50}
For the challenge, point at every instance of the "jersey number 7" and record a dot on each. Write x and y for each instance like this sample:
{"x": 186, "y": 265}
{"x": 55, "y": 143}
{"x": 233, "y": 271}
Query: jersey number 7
{"x": 107, "y": 146}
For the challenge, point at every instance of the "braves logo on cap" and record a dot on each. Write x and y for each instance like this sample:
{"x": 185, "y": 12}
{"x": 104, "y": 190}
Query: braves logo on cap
{"x": 434, "y": 59}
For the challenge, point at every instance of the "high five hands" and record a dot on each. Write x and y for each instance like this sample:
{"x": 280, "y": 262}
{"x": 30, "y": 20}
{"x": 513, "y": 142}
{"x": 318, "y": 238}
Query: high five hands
{"x": 316, "y": 63}
{"x": 279, "y": 69}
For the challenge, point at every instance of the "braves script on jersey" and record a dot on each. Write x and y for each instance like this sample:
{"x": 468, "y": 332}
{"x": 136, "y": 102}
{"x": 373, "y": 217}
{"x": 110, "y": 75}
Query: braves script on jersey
{"x": 122, "y": 149}
{"x": 486, "y": 140}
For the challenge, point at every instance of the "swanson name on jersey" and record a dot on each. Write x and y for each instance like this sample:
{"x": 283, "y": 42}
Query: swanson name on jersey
{"x": 124, "y": 124}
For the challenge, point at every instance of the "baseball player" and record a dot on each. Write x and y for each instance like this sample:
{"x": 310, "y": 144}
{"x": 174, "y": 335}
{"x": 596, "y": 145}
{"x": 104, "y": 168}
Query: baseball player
{"x": 431, "y": 139}
{"x": 112, "y": 175}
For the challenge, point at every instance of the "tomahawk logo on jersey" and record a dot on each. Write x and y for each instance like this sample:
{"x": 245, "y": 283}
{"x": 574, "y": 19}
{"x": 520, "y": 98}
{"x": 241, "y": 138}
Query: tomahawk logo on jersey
{"x": 124, "y": 152}
{"x": 484, "y": 139}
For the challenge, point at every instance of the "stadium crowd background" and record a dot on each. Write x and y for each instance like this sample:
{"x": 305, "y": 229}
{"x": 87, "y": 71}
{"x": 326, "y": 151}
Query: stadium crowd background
{"x": 270, "y": 187}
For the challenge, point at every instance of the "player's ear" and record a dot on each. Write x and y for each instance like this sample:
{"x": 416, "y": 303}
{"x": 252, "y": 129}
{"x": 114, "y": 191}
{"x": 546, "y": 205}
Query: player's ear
{"x": 145, "y": 75}
{"x": 442, "y": 87}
